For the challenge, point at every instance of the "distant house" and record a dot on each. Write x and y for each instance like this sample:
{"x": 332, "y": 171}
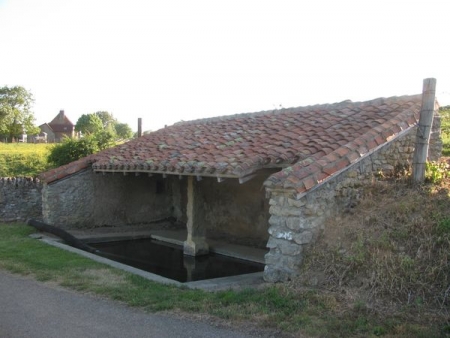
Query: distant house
{"x": 58, "y": 128}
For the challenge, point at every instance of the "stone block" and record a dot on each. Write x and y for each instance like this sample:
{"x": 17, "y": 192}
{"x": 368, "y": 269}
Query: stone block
{"x": 305, "y": 223}
{"x": 272, "y": 201}
{"x": 277, "y": 220}
{"x": 274, "y": 275}
{"x": 296, "y": 203}
{"x": 293, "y": 223}
{"x": 279, "y": 232}
{"x": 285, "y": 247}
{"x": 310, "y": 210}
{"x": 303, "y": 237}
{"x": 291, "y": 211}
{"x": 275, "y": 210}
{"x": 277, "y": 200}
{"x": 272, "y": 258}
{"x": 272, "y": 243}
{"x": 280, "y": 200}
{"x": 291, "y": 249}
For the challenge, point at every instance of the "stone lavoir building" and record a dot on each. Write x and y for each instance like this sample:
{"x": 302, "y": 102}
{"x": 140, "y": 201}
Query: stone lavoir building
{"x": 270, "y": 178}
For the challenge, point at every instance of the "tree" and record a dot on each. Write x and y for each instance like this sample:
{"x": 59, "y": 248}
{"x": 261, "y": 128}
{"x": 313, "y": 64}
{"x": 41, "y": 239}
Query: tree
{"x": 101, "y": 131}
{"x": 123, "y": 131}
{"x": 16, "y": 117}
{"x": 89, "y": 124}
{"x": 107, "y": 119}
{"x": 103, "y": 121}
{"x": 105, "y": 139}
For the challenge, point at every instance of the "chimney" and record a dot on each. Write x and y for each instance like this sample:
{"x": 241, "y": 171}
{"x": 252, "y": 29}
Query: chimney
{"x": 139, "y": 134}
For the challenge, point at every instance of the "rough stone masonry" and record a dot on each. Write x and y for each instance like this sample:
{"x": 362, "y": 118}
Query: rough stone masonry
{"x": 20, "y": 199}
{"x": 296, "y": 222}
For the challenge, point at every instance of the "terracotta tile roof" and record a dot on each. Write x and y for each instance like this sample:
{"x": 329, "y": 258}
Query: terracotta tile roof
{"x": 62, "y": 128}
{"x": 311, "y": 143}
{"x": 61, "y": 119}
{"x": 61, "y": 123}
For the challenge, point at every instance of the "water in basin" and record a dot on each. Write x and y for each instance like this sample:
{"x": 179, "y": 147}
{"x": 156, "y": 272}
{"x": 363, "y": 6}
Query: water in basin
{"x": 168, "y": 260}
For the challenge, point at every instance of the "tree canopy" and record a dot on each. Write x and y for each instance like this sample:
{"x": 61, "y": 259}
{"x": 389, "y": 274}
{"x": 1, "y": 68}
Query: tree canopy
{"x": 89, "y": 124}
{"x": 16, "y": 117}
{"x": 123, "y": 131}
{"x": 107, "y": 118}
{"x": 104, "y": 124}
{"x": 100, "y": 131}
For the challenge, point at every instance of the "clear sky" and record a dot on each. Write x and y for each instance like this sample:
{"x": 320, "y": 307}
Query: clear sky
{"x": 172, "y": 60}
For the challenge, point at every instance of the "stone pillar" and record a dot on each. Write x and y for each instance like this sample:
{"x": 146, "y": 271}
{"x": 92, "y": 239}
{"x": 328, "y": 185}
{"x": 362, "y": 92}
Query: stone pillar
{"x": 195, "y": 244}
{"x": 293, "y": 224}
{"x": 195, "y": 267}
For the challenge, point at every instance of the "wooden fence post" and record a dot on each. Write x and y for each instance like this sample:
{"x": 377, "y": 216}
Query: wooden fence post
{"x": 423, "y": 130}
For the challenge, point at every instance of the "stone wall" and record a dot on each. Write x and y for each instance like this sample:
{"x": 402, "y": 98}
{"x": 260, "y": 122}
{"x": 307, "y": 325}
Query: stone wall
{"x": 296, "y": 222}
{"x": 84, "y": 200}
{"x": 237, "y": 211}
{"x": 88, "y": 200}
{"x": 229, "y": 209}
{"x": 20, "y": 199}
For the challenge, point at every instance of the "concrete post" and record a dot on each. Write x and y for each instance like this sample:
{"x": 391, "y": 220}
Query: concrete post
{"x": 423, "y": 130}
{"x": 195, "y": 244}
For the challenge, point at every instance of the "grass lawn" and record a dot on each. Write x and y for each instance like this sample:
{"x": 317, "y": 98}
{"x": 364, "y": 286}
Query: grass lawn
{"x": 314, "y": 313}
{"x": 23, "y": 159}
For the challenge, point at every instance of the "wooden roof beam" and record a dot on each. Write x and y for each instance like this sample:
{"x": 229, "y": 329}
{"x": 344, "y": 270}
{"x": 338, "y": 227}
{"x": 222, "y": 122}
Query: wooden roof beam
{"x": 246, "y": 178}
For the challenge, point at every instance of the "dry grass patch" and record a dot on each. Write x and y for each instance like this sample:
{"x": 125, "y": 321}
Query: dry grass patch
{"x": 104, "y": 277}
{"x": 388, "y": 258}
{"x": 396, "y": 243}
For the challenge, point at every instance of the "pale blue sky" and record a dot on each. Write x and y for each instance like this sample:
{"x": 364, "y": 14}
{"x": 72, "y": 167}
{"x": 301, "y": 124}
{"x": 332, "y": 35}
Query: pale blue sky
{"x": 173, "y": 60}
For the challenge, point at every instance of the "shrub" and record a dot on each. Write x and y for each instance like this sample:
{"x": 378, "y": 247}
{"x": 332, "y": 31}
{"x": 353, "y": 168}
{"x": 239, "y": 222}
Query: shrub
{"x": 435, "y": 172}
{"x": 105, "y": 139}
{"x": 71, "y": 150}
{"x": 445, "y": 129}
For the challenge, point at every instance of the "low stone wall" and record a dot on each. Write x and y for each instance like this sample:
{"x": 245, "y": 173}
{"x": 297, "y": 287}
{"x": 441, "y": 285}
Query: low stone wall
{"x": 20, "y": 199}
{"x": 88, "y": 200}
{"x": 295, "y": 223}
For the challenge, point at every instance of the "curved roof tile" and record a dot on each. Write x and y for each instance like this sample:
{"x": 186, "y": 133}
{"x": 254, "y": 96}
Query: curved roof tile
{"x": 311, "y": 143}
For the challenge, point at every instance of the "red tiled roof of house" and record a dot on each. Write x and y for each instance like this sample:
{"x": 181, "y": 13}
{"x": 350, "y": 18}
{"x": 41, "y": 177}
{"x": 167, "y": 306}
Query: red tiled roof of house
{"x": 61, "y": 123}
{"x": 311, "y": 143}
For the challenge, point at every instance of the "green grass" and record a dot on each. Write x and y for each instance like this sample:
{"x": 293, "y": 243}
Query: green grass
{"x": 445, "y": 129}
{"x": 23, "y": 159}
{"x": 314, "y": 313}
